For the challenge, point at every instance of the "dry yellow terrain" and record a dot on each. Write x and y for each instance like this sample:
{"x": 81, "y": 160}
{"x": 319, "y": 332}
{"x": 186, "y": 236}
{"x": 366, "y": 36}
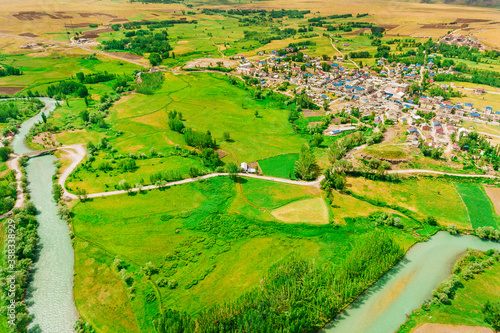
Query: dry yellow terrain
{"x": 405, "y": 18}
{"x": 310, "y": 210}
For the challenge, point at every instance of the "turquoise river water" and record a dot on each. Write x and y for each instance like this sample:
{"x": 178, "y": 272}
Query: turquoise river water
{"x": 50, "y": 291}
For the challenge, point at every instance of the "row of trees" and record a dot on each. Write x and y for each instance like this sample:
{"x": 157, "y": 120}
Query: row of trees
{"x": 296, "y": 295}
{"x": 9, "y": 70}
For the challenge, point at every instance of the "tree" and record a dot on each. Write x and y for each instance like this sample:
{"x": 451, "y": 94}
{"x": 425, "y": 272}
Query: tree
{"x": 80, "y": 76}
{"x": 233, "y": 170}
{"x": 4, "y": 153}
{"x": 124, "y": 185}
{"x": 44, "y": 117}
{"x": 306, "y": 167}
{"x": 317, "y": 139}
{"x": 227, "y": 136}
{"x": 491, "y": 312}
{"x": 154, "y": 59}
{"x": 256, "y": 113}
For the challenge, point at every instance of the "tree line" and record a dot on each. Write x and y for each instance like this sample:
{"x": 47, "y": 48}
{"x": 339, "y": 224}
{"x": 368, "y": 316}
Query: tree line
{"x": 295, "y": 295}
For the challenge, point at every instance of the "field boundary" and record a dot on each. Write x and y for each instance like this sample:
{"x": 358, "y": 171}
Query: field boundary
{"x": 462, "y": 199}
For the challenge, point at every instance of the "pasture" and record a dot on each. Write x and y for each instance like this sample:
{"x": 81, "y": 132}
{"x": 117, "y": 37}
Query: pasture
{"x": 424, "y": 197}
{"x": 208, "y": 102}
{"x": 481, "y": 209}
{"x": 385, "y": 151}
{"x": 196, "y": 234}
{"x": 281, "y": 166}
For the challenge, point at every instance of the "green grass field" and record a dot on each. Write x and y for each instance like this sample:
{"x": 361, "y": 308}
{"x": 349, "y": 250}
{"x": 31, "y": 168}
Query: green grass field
{"x": 100, "y": 181}
{"x": 194, "y": 234}
{"x": 281, "y": 166}
{"x": 39, "y": 72}
{"x": 423, "y": 196}
{"x": 391, "y": 152}
{"x": 207, "y": 102}
{"x": 481, "y": 210}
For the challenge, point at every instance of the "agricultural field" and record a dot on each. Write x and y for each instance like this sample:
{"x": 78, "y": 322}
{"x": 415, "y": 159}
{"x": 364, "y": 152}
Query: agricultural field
{"x": 421, "y": 196}
{"x": 39, "y": 72}
{"x": 199, "y": 247}
{"x": 200, "y": 99}
{"x": 157, "y": 92}
{"x": 480, "y": 208}
{"x": 281, "y": 166}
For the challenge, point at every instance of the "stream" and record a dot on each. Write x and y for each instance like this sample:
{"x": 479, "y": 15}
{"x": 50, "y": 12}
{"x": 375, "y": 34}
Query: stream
{"x": 384, "y": 307}
{"x": 50, "y": 291}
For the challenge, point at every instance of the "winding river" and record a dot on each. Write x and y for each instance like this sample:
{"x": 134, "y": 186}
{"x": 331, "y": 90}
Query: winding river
{"x": 382, "y": 308}
{"x": 50, "y": 290}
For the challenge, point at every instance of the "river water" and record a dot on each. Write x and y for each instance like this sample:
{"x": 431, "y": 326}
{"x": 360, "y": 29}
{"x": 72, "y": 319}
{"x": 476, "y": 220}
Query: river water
{"x": 50, "y": 290}
{"x": 383, "y": 307}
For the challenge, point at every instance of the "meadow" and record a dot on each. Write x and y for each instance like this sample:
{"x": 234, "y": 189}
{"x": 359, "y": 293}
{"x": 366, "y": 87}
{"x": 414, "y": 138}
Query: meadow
{"x": 481, "y": 210}
{"x": 199, "y": 242}
{"x": 422, "y": 196}
{"x": 39, "y": 72}
{"x": 391, "y": 152}
{"x": 281, "y": 166}
{"x": 208, "y": 102}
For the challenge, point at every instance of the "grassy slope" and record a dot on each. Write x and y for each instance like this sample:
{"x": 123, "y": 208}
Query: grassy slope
{"x": 38, "y": 72}
{"x": 424, "y": 196}
{"x": 481, "y": 210}
{"x": 386, "y": 151}
{"x": 159, "y": 224}
{"x": 207, "y": 102}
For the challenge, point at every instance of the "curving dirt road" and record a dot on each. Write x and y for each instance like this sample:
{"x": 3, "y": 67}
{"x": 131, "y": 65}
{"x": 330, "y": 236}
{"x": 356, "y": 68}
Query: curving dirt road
{"x": 315, "y": 183}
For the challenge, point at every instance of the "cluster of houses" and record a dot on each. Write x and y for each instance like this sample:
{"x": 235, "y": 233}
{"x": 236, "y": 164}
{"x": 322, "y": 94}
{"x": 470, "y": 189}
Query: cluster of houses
{"x": 461, "y": 40}
{"x": 382, "y": 95}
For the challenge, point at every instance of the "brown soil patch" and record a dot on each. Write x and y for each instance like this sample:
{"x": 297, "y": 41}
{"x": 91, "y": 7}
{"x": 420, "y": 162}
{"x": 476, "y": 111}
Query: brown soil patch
{"x": 357, "y": 32}
{"x": 96, "y": 33}
{"x": 444, "y": 26}
{"x": 494, "y": 194}
{"x": 32, "y": 16}
{"x": 95, "y": 14}
{"x": 221, "y": 153}
{"x": 28, "y": 34}
{"x": 311, "y": 113}
{"x": 126, "y": 55}
{"x": 440, "y": 328}
{"x": 466, "y": 20}
{"x": 77, "y": 25}
{"x": 119, "y": 20}
{"x": 183, "y": 42}
{"x": 10, "y": 90}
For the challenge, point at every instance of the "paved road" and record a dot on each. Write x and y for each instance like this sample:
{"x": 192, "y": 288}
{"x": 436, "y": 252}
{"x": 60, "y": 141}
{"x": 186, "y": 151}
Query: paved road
{"x": 440, "y": 173}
